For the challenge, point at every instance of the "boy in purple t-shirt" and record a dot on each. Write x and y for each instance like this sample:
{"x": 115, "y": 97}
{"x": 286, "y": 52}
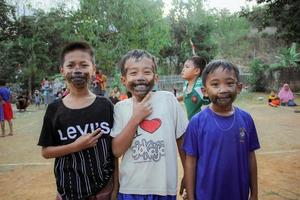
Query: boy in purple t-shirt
{"x": 220, "y": 141}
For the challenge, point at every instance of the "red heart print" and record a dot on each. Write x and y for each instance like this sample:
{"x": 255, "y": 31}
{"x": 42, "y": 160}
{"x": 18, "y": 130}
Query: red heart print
{"x": 150, "y": 125}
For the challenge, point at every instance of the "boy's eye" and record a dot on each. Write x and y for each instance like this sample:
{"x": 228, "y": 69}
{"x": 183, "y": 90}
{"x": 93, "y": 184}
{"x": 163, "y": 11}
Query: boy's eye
{"x": 132, "y": 73}
{"x": 148, "y": 72}
{"x": 231, "y": 84}
{"x": 214, "y": 84}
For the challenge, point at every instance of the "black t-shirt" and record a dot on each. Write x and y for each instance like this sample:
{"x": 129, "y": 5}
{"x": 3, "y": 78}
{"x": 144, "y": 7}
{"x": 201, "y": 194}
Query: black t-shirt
{"x": 84, "y": 173}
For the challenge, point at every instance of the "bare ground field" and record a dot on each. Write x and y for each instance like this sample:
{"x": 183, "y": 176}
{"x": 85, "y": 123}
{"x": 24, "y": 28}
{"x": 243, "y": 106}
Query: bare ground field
{"x": 25, "y": 175}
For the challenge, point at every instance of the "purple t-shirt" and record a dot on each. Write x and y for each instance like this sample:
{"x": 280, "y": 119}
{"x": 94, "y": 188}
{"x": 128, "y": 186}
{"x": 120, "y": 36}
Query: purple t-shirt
{"x": 5, "y": 93}
{"x": 221, "y": 146}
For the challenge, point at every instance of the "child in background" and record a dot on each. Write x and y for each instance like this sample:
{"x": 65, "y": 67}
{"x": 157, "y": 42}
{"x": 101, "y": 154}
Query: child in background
{"x": 115, "y": 95}
{"x": 146, "y": 130}
{"x": 7, "y": 108}
{"x": 2, "y": 117}
{"x": 37, "y": 98}
{"x": 220, "y": 141}
{"x": 192, "y": 94}
{"x": 273, "y": 99}
{"x": 76, "y": 132}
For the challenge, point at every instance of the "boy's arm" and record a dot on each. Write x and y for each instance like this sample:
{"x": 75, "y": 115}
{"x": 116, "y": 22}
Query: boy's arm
{"x": 253, "y": 176}
{"x": 83, "y": 142}
{"x": 114, "y": 195}
{"x": 182, "y": 159}
{"x": 123, "y": 141}
{"x": 190, "y": 173}
{"x": 180, "y": 98}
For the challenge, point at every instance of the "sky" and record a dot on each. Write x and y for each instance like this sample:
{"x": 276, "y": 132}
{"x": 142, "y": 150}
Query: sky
{"x": 231, "y": 5}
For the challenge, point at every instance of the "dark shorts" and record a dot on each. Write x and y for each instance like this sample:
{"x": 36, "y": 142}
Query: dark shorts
{"x": 103, "y": 194}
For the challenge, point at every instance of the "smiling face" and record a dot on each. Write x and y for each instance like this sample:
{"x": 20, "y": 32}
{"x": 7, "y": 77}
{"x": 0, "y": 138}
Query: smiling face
{"x": 222, "y": 88}
{"x": 78, "y": 68}
{"x": 139, "y": 77}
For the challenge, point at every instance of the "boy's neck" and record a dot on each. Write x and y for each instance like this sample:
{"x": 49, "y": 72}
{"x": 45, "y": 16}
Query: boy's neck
{"x": 223, "y": 111}
{"x": 79, "y": 93}
{"x": 192, "y": 81}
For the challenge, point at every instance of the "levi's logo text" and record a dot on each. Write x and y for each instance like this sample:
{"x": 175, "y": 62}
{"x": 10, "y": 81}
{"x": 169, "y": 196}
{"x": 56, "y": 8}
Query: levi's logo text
{"x": 76, "y": 131}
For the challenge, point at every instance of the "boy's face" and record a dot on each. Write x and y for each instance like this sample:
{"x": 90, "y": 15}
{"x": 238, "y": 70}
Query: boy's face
{"x": 139, "y": 77}
{"x": 189, "y": 70}
{"x": 78, "y": 68}
{"x": 222, "y": 87}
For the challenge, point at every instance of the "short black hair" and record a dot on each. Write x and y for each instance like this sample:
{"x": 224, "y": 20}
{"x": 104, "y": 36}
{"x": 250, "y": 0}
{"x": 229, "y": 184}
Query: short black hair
{"x": 136, "y": 54}
{"x": 78, "y": 45}
{"x": 198, "y": 62}
{"x": 2, "y": 82}
{"x": 220, "y": 63}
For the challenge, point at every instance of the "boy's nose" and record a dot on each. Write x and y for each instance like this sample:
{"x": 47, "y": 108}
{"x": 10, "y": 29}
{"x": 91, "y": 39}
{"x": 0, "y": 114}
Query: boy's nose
{"x": 223, "y": 88}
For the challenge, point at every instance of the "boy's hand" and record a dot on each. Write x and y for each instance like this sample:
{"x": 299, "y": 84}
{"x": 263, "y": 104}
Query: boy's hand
{"x": 253, "y": 197}
{"x": 182, "y": 190}
{"x": 142, "y": 109}
{"x": 88, "y": 140}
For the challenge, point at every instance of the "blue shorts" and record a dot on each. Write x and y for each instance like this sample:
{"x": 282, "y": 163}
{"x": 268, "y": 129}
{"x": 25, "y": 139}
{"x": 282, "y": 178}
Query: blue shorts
{"x": 1, "y": 113}
{"x": 145, "y": 197}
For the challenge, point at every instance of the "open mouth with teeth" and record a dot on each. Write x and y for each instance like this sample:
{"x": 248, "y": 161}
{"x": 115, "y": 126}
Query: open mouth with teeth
{"x": 141, "y": 87}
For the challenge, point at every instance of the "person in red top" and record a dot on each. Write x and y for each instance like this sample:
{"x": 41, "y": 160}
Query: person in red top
{"x": 7, "y": 109}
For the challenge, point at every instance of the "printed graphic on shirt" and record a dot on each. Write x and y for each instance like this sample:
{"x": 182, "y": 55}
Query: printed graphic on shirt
{"x": 150, "y": 125}
{"x": 242, "y": 135}
{"x": 76, "y": 131}
{"x": 194, "y": 99}
{"x": 148, "y": 151}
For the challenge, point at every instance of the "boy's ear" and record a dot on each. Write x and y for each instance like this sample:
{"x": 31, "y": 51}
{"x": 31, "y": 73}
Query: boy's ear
{"x": 204, "y": 91}
{"x": 61, "y": 69}
{"x": 197, "y": 71}
{"x": 156, "y": 78}
{"x": 239, "y": 87}
{"x": 123, "y": 80}
{"x": 94, "y": 69}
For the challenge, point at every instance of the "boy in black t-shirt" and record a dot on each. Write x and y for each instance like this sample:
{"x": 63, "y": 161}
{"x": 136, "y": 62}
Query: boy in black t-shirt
{"x": 76, "y": 132}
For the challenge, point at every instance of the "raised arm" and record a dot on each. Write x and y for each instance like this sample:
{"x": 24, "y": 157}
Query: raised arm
{"x": 123, "y": 141}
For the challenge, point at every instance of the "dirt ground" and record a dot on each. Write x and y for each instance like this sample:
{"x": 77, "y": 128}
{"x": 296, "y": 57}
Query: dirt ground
{"x": 25, "y": 175}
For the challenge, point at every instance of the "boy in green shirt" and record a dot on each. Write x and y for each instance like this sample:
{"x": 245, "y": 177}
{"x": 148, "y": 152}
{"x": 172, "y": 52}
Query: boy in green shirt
{"x": 192, "y": 94}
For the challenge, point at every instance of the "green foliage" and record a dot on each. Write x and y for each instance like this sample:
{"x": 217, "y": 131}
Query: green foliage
{"x": 283, "y": 14}
{"x": 30, "y": 45}
{"x": 115, "y": 28}
{"x": 230, "y": 33}
{"x": 257, "y": 78}
{"x": 189, "y": 21}
{"x": 288, "y": 57}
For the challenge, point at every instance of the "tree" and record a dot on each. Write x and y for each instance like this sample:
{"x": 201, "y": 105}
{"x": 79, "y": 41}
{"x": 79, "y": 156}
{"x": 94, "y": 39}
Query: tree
{"x": 230, "y": 33}
{"x": 189, "y": 22}
{"x": 284, "y": 14}
{"x": 7, "y": 36}
{"x": 115, "y": 28}
{"x": 288, "y": 58}
{"x": 257, "y": 78}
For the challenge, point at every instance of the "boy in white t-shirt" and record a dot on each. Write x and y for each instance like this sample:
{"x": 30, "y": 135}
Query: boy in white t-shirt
{"x": 146, "y": 129}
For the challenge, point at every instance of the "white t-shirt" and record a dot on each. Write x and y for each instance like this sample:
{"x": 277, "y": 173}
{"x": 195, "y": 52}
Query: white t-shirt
{"x": 149, "y": 166}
